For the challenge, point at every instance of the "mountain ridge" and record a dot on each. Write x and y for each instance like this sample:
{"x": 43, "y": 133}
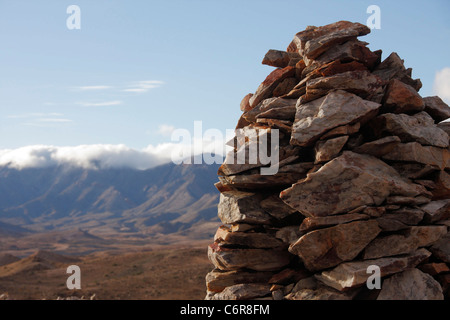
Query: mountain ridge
{"x": 166, "y": 199}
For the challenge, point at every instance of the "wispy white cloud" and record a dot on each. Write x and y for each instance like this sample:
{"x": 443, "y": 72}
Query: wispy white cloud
{"x": 33, "y": 115}
{"x": 54, "y": 120}
{"x": 101, "y": 104}
{"x": 165, "y": 130}
{"x": 39, "y": 119}
{"x": 144, "y": 86}
{"x": 441, "y": 85}
{"x": 92, "y": 88}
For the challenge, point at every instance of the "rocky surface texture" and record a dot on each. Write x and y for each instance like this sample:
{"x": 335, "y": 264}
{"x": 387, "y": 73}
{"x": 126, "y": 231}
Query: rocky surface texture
{"x": 363, "y": 180}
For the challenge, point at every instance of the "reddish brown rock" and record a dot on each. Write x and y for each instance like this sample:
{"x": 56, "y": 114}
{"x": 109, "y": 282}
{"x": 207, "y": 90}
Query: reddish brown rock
{"x": 353, "y": 274}
{"x": 217, "y": 280}
{"x": 437, "y": 210}
{"x": 400, "y": 219}
{"x": 276, "y": 207}
{"x": 299, "y": 67}
{"x": 329, "y": 149}
{"x": 352, "y": 50}
{"x": 437, "y": 108}
{"x": 393, "y": 68}
{"x": 438, "y": 158}
{"x": 266, "y": 88}
{"x": 312, "y": 223}
{"x": 336, "y": 109}
{"x": 284, "y": 87}
{"x": 282, "y": 113}
{"x": 325, "y": 248}
{"x": 244, "y": 291}
{"x": 411, "y": 284}
{"x": 444, "y": 126}
{"x": 378, "y": 148}
{"x": 288, "y": 276}
{"x": 241, "y": 207}
{"x": 224, "y": 236}
{"x": 273, "y": 105}
{"x": 245, "y": 103}
{"x": 315, "y": 40}
{"x": 335, "y": 67}
{"x": 434, "y": 268}
{"x": 253, "y": 259}
{"x": 342, "y": 131}
{"x": 254, "y": 180}
{"x": 441, "y": 248}
{"x": 276, "y": 58}
{"x": 321, "y": 293}
{"x": 361, "y": 83}
{"x": 402, "y": 98}
{"x": 346, "y": 183}
{"x": 442, "y": 189}
{"x": 419, "y": 127}
{"x": 412, "y": 239}
{"x": 242, "y": 122}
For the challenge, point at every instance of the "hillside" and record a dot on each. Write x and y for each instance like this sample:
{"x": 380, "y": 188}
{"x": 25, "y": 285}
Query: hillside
{"x": 119, "y": 201}
{"x": 138, "y": 275}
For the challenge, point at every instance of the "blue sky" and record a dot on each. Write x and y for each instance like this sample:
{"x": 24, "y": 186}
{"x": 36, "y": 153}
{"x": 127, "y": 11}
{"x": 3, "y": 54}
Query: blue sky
{"x": 137, "y": 69}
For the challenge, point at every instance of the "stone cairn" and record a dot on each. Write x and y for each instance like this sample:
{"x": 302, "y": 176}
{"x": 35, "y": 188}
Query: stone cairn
{"x": 362, "y": 188}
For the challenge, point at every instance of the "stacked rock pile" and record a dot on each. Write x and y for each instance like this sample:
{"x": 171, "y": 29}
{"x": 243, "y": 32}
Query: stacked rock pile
{"x": 362, "y": 187}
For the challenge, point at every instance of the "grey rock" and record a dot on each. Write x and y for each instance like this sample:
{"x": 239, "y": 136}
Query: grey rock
{"x": 338, "y": 108}
{"x": 411, "y": 284}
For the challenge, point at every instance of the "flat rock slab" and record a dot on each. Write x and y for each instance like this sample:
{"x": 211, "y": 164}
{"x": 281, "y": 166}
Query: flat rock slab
{"x": 393, "y": 68}
{"x": 436, "y": 210}
{"x": 224, "y": 236}
{"x": 253, "y": 259}
{"x": 265, "y": 89}
{"x": 274, "y": 206}
{"x": 415, "y": 152}
{"x": 353, "y": 274}
{"x": 361, "y": 83}
{"x": 315, "y": 40}
{"x": 270, "y": 107}
{"x": 402, "y": 98}
{"x": 352, "y": 50}
{"x": 411, "y": 284}
{"x": 279, "y": 59}
{"x": 346, "y": 183}
{"x": 441, "y": 249}
{"x": 312, "y": 223}
{"x": 218, "y": 280}
{"x": 378, "y": 148}
{"x": 329, "y": 149}
{"x": 321, "y": 293}
{"x": 437, "y": 108}
{"x": 400, "y": 219}
{"x": 244, "y": 291}
{"x": 242, "y": 207}
{"x": 442, "y": 190}
{"x": 325, "y": 248}
{"x": 417, "y": 128}
{"x": 337, "y": 108}
{"x": 412, "y": 239}
{"x": 254, "y": 180}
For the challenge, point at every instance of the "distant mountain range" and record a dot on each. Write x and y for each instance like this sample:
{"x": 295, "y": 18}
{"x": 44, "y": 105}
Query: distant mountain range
{"x": 163, "y": 200}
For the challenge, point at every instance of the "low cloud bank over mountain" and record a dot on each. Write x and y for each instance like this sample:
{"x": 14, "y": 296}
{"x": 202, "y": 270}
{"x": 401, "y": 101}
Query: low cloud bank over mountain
{"x": 97, "y": 156}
